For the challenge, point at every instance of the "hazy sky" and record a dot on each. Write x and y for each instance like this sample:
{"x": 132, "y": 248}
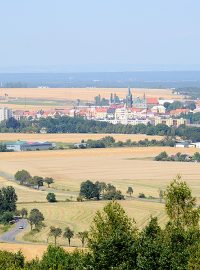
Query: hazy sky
{"x": 99, "y": 33}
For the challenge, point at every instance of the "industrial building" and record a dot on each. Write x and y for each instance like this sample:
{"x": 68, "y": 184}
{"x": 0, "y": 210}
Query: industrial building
{"x": 29, "y": 146}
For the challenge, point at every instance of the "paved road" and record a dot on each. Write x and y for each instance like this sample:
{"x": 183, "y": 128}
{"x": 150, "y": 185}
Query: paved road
{"x": 10, "y": 236}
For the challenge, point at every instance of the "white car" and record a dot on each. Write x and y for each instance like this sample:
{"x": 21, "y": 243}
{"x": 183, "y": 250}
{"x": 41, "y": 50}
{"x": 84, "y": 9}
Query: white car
{"x": 21, "y": 227}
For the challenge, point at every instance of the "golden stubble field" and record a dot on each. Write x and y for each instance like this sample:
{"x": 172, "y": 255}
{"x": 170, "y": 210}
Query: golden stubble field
{"x": 30, "y": 251}
{"x": 83, "y": 93}
{"x": 73, "y": 137}
{"x": 122, "y": 167}
{"x": 79, "y": 216}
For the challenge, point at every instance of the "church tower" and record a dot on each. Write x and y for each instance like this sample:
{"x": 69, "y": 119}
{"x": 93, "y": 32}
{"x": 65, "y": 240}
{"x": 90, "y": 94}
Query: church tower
{"x": 129, "y": 99}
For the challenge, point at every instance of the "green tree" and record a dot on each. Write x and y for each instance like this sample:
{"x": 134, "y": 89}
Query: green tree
{"x": 82, "y": 236}
{"x": 24, "y": 212}
{"x": 35, "y": 218}
{"x": 8, "y": 199}
{"x": 68, "y": 234}
{"x": 180, "y": 205}
{"x": 55, "y": 232}
{"x": 22, "y": 176}
{"x": 12, "y": 261}
{"x": 161, "y": 194}
{"x": 162, "y": 156}
{"x": 51, "y": 197}
{"x": 129, "y": 191}
{"x": 6, "y": 217}
{"x": 49, "y": 181}
{"x": 112, "y": 233}
{"x": 89, "y": 190}
{"x": 38, "y": 181}
{"x": 148, "y": 246}
{"x": 196, "y": 157}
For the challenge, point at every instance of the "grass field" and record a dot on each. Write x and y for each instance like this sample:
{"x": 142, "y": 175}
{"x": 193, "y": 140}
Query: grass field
{"x": 73, "y": 138}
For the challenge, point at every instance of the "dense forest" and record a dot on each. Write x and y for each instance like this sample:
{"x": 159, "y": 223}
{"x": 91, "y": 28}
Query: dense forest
{"x": 67, "y": 124}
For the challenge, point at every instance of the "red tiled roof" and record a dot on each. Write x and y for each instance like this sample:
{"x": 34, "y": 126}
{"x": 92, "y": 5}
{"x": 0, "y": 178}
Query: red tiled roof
{"x": 101, "y": 109}
{"x": 152, "y": 101}
{"x": 179, "y": 111}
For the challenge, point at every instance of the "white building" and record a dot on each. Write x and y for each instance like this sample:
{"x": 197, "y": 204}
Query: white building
{"x": 5, "y": 114}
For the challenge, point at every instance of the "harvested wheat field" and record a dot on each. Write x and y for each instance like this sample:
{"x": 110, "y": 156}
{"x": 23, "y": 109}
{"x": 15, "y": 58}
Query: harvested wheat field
{"x": 79, "y": 216}
{"x": 121, "y": 166}
{"x": 30, "y": 251}
{"x": 73, "y": 138}
{"x": 86, "y": 94}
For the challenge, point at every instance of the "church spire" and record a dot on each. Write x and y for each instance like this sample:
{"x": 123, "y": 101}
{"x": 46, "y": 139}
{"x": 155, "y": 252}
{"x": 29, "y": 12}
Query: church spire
{"x": 129, "y": 99}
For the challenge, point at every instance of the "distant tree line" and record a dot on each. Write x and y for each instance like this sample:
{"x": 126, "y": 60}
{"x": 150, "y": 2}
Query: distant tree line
{"x": 180, "y": 105}
{"x": 194, "y": 118}
{"x": 109, "y": 141}
{"x": 193, "y": 92}
{"x": 114, "y": 241}
{"x": 67, "y": 124}
{"x": 163, "y": 156}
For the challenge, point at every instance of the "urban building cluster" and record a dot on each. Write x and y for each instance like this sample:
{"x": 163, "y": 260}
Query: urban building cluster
{"x": 131, "y": 110}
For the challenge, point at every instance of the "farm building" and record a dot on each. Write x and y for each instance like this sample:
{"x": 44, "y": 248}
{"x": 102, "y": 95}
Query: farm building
{"x": 29, "y": 146}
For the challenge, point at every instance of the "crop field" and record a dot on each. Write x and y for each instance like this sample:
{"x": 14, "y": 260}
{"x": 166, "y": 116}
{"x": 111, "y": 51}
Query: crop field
{"x": 122, "y": 167}
{"x": 30, "y": 251}
{"x": 73, "y": 138}
{"x": 79, "y": 216}
{"x": 37, "y": 98}
{"x": 82, "y": 93}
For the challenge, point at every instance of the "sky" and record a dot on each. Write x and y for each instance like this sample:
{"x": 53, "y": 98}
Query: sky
{"x": 99, "y": 35}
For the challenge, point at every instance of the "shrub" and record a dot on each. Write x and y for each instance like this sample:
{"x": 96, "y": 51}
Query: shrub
{"x": 51, "y": 197}
{"x": 142, "y": 195}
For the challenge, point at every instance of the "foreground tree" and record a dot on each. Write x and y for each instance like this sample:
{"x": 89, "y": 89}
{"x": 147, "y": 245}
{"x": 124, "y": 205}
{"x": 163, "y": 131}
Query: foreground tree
{"x": 180, "y": 205}
{"x": 55, "y": 232}
{"x": 112, "y": 233}
{"x": 35, "y": 218}
{"x": 83, "y": 236}
{"x": 148, "y": 246}
{"x": 68, "y": 234}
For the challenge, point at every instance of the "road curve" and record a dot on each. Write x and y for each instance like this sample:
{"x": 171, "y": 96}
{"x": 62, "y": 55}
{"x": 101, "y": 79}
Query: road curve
{"x": 10, "y": 236}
